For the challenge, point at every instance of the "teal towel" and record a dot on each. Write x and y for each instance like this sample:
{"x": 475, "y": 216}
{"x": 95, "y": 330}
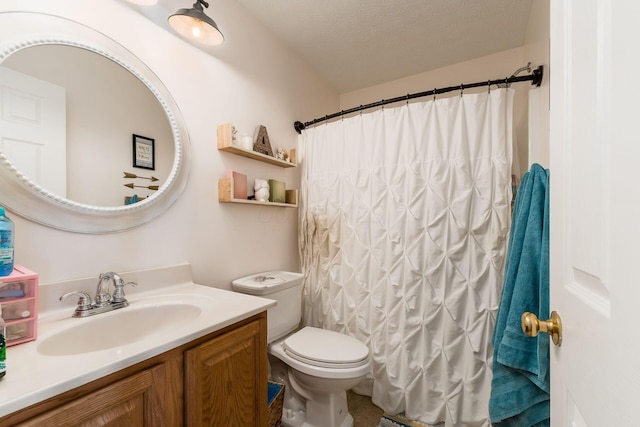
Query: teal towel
{"x": 520, "y": 383}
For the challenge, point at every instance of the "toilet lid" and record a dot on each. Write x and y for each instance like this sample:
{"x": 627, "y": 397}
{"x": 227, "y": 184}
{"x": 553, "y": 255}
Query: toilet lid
{"x": 320, "y": 347}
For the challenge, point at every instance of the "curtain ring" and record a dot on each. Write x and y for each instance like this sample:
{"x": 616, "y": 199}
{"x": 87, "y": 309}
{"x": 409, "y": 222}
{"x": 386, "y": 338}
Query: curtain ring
{"x": 361, "y": 109}
{"x": 461, "y": 89}
{"x": 489, "y": 85}
{"x": 382, "y": 104}
{"x": 435, "y": 90}
{"x": 407, "y": 100}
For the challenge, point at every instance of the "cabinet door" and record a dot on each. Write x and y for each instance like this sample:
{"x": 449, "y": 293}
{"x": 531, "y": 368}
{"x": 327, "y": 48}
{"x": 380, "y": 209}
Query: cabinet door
{"x": 226, "y": 379}
{"x": 130, "y": 402}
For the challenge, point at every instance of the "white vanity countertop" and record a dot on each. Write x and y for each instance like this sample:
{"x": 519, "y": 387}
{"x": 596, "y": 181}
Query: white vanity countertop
{"x": 32, "y": 376}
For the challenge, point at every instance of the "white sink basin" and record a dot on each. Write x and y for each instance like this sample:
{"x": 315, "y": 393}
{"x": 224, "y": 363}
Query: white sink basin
{"x": 117, "y": 328}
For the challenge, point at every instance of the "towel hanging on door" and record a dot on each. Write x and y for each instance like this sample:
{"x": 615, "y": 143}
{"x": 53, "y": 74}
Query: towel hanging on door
{"x": 520, "y": 383}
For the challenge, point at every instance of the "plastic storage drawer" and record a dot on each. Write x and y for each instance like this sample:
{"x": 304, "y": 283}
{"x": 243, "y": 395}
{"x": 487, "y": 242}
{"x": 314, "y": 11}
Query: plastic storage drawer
{"x": 19, "y": 300}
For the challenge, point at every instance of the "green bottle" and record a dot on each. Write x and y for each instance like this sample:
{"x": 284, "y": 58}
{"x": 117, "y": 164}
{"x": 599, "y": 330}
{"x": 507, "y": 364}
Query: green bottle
{"x": 3, "y": 346}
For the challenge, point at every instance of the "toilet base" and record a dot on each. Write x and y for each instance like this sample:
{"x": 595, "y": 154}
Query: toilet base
{"x": 323, "y": 410}
{"x": 328, "y": 411}
{"x": 298, "y": 418}
{"x": 292, "y": 418}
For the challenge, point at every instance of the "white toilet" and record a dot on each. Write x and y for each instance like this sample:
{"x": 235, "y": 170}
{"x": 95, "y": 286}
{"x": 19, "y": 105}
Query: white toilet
{"x": 316, "y": 365}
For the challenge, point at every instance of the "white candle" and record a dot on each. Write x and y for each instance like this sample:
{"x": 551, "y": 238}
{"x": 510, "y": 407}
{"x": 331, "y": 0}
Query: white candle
{"x": 247, "y": 142}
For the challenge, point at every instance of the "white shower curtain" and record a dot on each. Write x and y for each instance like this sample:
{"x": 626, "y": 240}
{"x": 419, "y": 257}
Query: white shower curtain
{"x": 404, "y": 220}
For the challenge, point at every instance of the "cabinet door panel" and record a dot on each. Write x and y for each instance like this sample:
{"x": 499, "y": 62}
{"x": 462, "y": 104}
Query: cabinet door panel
{"x": 224, "y": 380}
{"x": 125, "y": 403}
{"x": 129, "y": 413}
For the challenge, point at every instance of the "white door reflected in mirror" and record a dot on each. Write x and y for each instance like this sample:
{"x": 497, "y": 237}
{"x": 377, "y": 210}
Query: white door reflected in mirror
{"x": 33, "y": 128}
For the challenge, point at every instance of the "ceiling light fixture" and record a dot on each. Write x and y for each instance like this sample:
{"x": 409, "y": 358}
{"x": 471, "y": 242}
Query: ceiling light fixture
{"x": 195, "y": 25}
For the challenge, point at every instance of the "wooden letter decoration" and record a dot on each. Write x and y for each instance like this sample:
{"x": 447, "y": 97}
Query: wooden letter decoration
{"x": 262, "y": 144}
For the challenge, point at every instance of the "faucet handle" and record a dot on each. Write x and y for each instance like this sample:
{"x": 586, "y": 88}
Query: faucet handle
{"x": 84, "y": 302}
{"x": 118, "y": 294}
{"x": 103, "y": 297}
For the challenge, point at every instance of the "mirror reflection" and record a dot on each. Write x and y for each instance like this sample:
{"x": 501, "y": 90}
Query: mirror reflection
{"x": 69, "y": 120}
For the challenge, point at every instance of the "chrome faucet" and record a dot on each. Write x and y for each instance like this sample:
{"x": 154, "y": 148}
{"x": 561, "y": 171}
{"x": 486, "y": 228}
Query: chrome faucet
{"x": 103, "y": 300}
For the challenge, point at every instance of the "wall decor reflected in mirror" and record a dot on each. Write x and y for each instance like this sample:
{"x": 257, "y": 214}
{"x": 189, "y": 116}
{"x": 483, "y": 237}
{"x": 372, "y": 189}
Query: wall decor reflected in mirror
{"x": 143, "y": 152}
{"x": 92, "y": 94}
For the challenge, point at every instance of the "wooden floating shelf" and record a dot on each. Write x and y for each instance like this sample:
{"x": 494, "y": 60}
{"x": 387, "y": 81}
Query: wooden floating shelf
{"x": 225, "y": 195}
{"x": 224, "y": 144}
{"x": 257, "y": 156}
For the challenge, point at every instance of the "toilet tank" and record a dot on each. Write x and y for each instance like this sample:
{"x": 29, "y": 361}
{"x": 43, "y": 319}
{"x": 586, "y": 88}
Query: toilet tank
{"x": 286, "y": 289}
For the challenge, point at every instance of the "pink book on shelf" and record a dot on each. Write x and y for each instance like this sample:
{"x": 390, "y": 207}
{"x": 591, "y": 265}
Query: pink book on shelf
{"x": 239, "y": 184}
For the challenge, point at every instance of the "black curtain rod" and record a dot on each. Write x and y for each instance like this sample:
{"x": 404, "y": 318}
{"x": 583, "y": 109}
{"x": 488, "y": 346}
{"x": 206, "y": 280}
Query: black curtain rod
{"x": 535, "y": 77}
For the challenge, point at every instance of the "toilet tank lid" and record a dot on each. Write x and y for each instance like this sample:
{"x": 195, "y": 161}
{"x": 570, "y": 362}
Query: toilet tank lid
{"x": 267, "y": 282}
{"x": 326, "y": 346}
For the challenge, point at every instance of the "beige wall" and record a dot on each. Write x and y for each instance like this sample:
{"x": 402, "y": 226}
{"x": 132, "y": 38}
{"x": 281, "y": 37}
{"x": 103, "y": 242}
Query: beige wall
{"x": 250, "y": 80}
{"x": 502, "y": 64}
{"x": 537, "y": 50}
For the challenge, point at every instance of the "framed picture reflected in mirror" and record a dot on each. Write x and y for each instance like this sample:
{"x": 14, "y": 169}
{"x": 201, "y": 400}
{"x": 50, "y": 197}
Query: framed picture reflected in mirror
{"x": 143, "y": 152}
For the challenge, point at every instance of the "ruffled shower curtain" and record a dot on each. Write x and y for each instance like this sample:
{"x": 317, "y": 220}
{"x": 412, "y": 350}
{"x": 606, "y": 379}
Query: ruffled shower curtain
{"x": 404, "y": 221}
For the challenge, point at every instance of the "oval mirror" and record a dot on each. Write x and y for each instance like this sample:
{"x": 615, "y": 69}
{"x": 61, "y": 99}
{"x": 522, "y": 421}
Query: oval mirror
{"x": 90, "y": 139}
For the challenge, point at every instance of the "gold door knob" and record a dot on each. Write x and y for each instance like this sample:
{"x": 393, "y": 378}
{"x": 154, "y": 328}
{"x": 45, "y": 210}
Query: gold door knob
{"x": 531, "y": 326}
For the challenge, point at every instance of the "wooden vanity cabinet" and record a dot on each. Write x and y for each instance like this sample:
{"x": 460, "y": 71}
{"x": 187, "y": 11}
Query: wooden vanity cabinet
{"x": 216, "y": 380}
{"x": 224, "y": 370}
{"x": 133, "y": 401}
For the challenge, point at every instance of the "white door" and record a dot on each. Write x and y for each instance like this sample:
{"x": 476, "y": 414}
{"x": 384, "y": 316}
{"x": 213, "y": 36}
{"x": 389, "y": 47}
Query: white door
{"x": 595, "y": 211}
{"x": 33, "y": 132}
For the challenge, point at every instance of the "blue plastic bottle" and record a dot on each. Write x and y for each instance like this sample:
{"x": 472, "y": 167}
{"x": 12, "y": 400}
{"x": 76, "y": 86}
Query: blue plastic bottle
{"x": 6, "y": 244}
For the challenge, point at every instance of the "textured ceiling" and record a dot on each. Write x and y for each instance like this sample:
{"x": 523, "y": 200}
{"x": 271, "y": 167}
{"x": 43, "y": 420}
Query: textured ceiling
{"x": 360, "y": 43}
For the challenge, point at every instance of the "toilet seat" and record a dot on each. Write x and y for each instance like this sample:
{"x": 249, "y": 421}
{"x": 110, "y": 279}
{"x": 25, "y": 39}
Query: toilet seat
{"x": 276, "y": 349}
{"x": 328, "y": 349}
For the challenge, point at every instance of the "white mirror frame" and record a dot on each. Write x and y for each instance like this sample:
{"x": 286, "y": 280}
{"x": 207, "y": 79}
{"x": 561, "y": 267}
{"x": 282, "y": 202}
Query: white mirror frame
{"x": 20, "y": 30}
